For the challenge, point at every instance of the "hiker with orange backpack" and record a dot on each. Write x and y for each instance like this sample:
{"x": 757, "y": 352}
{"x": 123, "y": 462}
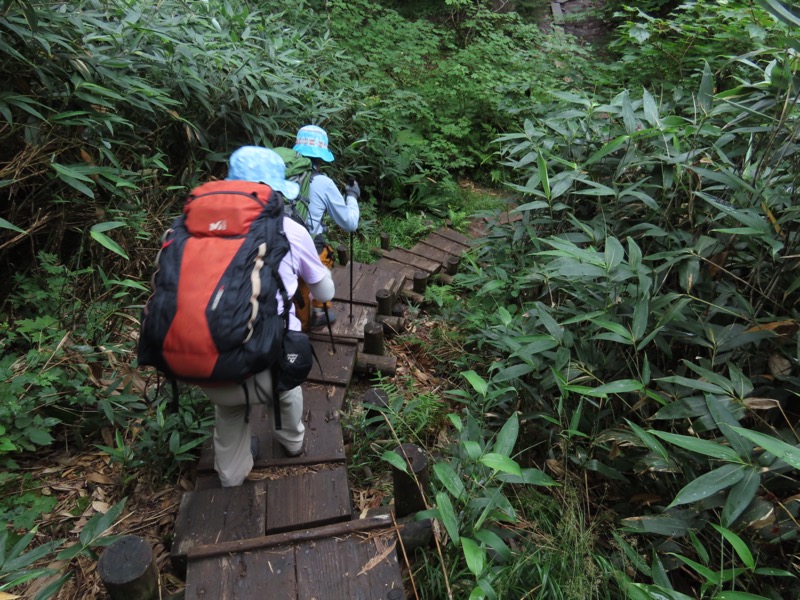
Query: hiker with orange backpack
{"x": 320, "y": 196}
{"x": 221, "y": 314}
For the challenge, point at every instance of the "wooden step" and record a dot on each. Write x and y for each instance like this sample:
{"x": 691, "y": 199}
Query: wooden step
{"x": 342, "y": 561}
{"x": 259, "y": 507}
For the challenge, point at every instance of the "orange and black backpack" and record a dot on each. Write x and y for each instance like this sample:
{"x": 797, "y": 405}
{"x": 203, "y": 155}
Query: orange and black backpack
{"x": 213, "y": 315}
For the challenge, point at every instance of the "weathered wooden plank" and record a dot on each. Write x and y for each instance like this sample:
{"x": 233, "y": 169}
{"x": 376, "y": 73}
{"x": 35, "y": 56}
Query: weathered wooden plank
{"x": 293, "y": 537}
{"x": 308, "y": 499}
{"x": 430, "y": 252}
{"x": 245, "y": 576}
{"x": 333, "y": 367}
{"x": 452, "y": 234}
{"x": 405, "y": 270}
{"x": 395, "y": 272}
{"x": 418, "y": 262}
{"x": 361, "y": 273}
{"x": 324, "y": 442}
{"x": 377, "y": 278}
{"x": 444, "y": 244}
{"x": 219, "y": 515}
{"x": 343, "y": 569}
{"x": 331, "y": 398}
{"x": 343, "y": 327}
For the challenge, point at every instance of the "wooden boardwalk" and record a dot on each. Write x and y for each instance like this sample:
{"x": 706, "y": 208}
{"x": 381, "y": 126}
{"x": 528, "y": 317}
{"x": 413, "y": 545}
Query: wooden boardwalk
{"x": 289, "y": 531}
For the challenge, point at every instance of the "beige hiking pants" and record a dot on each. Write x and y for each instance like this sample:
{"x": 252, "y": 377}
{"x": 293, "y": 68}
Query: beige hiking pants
{"x": 232, "y": 457}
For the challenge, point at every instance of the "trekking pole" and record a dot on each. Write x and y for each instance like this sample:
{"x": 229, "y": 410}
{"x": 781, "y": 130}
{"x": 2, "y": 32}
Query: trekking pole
{"x": 351, "y": 276}
{"x": 330, "y": 329}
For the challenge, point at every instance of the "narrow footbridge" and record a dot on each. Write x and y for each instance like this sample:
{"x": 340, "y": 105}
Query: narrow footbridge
{"x": 289, "y": 531}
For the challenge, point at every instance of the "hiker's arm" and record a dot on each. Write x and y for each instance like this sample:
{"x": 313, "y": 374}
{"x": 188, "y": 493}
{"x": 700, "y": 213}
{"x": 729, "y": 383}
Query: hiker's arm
{"x": 310, "y": 267}
{"x": 345, "y": 213}
{"x": 323, "y": 290}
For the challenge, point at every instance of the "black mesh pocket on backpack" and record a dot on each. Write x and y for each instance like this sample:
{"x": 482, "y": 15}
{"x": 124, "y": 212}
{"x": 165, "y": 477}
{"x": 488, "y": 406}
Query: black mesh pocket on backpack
{"x": 296, "y": 360}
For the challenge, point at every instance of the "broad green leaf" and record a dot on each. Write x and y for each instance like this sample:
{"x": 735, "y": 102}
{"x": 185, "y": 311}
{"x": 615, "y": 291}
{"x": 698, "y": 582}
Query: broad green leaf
{"x": 726, "y": 422}
{"x": 738, "y": 596}
{"x": 634, "y": 253}
{"x": 642, "y": 591}
{"x": 699, "y": 548}
{"x": 537, "y": 205}
{"x": 709, "y": 484}
{"x": 448, "y": 516}
{"x": 614, "y": 253}
{"x": 695, "y": 406}
{"x": 610, "y": 147}
{"x": 705, "y": 96}
{"x": 641, "y": 315}
{"x": 740, "y": 496}
{"x": 74, "y": 178}
{"x": 662, "y": 525}
{"x": 596, "y": 189}
{"x": 495, "y": 542}
{"x": 650, "y": 108}
{"x": 536, "y": 345}
{"x": 738, "y": 545}
{"x": 543, "y": 176}
{"x": 477, "y": 382}
{"x": 40, "y": 437}
{"x": 694, "y": 444}
{"x": 781, "y": 450}
{"x": 6, "y": 225}
{"x": 711, "y": 377}
{"x": 616, "y": 387}
{"x": 107, "y": 226}
{"x": 100, "y": 523}
{"x": 473, "y": 449}
{"x": 456, "y": 421}
{"x": 507, "y": 437}
{"x": 785, "y": 12}
{"x": 450, "y": 479}
{"x": 477, "y": 594}
{"x": 107, "y": 242}
{"x": 693, "y": 384}
{"x": 628, "y": 118}
{"x": 530, "y": 476}
{"x": 770, "y": 572}
{"x": 707, "y": 574}
{"x": 394, "y": 459}
{"x": 632, "y": 554}
{"x": 512, "y": 372}
{"x": 499, "y": 462}
{"x": 650, "y": 441}
{"x": 552, "y": 326}
{"x": 475, "y": 555}
{"x": 599, "y": 467}
{"x": 614, "y": 327}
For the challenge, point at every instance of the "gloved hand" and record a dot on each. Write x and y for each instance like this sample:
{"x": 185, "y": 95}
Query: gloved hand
{"x": 352, "y": 190}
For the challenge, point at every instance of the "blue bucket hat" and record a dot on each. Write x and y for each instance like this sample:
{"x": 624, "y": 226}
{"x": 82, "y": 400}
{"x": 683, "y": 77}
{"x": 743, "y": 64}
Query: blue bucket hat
{"x": 262, "y": 165}
{"x": 312, "y": 141}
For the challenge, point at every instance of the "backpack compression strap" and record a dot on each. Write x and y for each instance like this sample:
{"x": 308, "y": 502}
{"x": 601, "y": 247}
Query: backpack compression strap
{"x": 274, "y": 369}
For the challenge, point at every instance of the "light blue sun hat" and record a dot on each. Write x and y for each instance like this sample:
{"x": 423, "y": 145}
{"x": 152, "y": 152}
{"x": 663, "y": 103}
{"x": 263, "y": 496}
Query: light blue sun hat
{"x": 312, "y": 141}
{"x": 262, "y": 165}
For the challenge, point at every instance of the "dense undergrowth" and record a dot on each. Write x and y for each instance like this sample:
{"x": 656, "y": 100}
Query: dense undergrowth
{"x": 625, "y": 419}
